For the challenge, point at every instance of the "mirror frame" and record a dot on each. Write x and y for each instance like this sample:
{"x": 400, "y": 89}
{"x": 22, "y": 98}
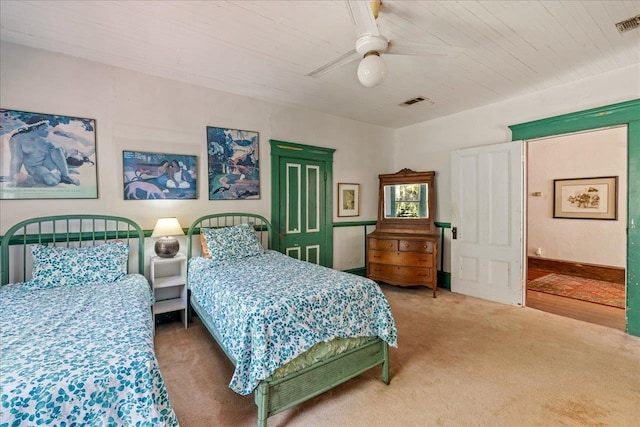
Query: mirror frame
{"x": 407, "y": 225}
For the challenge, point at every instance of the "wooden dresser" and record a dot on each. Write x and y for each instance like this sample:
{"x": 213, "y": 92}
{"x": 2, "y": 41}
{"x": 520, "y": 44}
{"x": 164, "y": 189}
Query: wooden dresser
{"x": 403, "y": 259}
{"x": 403, "y": 250}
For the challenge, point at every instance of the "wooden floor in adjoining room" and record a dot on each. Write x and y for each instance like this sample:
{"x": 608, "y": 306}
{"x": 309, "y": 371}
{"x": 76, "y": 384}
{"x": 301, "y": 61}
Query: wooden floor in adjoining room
{"x": 576, "y": 309}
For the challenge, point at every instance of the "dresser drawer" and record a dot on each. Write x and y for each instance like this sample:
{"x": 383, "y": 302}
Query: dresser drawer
{"x": 416, "y": 246}
{"x": 401, "y": 258}
{"x": 401, "y": 274}
{"x": 383, "y": 244}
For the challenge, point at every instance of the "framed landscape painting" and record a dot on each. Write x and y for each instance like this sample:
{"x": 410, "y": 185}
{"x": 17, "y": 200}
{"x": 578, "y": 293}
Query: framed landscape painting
{"x": 159, "y": 176}
{"x": 586, "y": 198}
{"x": 233, "y": 164}
{"x": 47, "y": 156}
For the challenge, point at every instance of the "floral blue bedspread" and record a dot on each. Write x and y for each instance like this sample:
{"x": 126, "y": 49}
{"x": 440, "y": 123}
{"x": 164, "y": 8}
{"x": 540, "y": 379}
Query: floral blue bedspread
{"x": 80, "y": 355}
{"x": 270, "y": 308}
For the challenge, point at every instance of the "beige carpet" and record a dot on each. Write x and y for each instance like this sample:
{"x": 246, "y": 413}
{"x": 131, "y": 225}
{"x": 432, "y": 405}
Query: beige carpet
{"x": 461, "y": 361}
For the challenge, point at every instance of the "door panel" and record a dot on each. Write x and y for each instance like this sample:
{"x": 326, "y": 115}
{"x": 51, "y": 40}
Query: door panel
{"x": 313, "y": 253}
{"x": 487, "y": 210}
{"x": 313, "y": 199}
{"x": 292, "y": 196}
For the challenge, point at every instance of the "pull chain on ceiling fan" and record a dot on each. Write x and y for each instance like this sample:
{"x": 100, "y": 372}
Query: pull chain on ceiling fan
{"x": 370, "y": 45}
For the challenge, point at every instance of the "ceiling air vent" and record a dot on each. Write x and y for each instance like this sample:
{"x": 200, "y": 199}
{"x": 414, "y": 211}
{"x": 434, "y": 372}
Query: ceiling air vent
{"x": 415, "y": 100}
{"x": 629, "y": 24}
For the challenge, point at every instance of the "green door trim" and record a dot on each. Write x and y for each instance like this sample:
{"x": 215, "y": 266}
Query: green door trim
{"x": 624, "y": 113}
{"x": 281, "y": 149}
{"x": 611, "y": 115}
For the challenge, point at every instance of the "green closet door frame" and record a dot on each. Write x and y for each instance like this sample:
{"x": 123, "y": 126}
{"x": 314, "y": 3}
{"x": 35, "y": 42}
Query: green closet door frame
{"x": 624, "y": 113}
{"x": 283, "y": 149}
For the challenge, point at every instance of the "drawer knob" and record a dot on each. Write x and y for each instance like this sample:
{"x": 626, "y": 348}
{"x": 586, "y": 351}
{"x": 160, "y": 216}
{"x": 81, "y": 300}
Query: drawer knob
{"x": 390, "y": 244}
{"x": 376, "y": 256}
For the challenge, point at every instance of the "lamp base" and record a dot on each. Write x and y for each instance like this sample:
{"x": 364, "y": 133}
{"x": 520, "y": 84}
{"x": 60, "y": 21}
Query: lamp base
{"x": 167, "y": 247}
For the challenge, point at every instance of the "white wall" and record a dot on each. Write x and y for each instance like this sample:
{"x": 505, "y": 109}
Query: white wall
{"x": 586, "y": 154}
{"x": 139, "y": 112}
{"x": 428, "y": 145}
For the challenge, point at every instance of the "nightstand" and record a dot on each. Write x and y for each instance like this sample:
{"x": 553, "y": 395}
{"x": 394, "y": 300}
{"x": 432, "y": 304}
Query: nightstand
{"x": 168, "y": 278}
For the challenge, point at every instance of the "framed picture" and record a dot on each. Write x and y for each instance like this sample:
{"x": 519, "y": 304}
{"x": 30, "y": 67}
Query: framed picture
{"x": 586, "y": 198}
{"x": 348, "y": 199}
{"x": 159, "y": 176}
{"x": 46, "y": 156}
{"x": 234, "y": 168}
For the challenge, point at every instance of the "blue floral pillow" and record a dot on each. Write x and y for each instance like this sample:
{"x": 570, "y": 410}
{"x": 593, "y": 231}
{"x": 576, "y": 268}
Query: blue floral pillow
{"x": 238, "y": 241}
{"x": 62, "y": 266}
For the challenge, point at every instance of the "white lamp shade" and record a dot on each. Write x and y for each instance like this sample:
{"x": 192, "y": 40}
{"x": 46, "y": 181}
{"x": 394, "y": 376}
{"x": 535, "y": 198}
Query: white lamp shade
{"x": 167, "y": 227}
{"x": 371, "y": 70}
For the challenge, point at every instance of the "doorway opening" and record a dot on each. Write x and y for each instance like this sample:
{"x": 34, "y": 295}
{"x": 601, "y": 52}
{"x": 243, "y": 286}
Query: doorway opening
{"x": 576, "y": 263}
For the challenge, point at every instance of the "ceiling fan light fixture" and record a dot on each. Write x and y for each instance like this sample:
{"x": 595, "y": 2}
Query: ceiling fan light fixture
{"x": 371, "y": 70}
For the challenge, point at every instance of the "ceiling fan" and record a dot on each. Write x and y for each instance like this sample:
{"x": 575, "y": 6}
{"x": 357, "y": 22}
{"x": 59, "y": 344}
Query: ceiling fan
{"x": 370, "y": 44}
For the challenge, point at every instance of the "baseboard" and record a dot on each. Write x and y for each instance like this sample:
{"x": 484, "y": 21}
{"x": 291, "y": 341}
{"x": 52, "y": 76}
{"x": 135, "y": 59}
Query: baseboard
{"x": 588, "y": 271}
{"x": 362, "y": 271}
{"x": 444, "y": 279}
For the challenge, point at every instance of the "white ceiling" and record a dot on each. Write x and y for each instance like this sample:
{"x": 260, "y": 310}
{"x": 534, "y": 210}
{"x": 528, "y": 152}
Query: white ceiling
{"x": 264, "y": 49}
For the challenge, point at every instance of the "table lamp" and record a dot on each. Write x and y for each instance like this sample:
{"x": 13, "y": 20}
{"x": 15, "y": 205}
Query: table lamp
{"x": 167, "y": 246}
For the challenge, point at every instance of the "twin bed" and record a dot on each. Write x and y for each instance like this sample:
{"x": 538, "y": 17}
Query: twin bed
{"x": 76, "y": 340}
{"x": 77, "y": 337}
{"x": 292, "y": 329}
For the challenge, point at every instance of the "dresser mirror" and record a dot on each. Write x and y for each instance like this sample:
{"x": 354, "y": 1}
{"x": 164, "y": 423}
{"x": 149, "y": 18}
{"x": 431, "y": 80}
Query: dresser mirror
{"x": 407, "y": 202}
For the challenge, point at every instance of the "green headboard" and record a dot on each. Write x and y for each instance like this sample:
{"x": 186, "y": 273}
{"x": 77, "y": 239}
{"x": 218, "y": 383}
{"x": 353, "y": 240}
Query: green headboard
{"x": 260, "y": 224}
{"x": 69, "y": 231}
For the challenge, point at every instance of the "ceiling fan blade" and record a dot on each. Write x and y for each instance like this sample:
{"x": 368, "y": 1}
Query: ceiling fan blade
{"x": 403, "y": 47}
{"x": 336, "y": 63}
{"x": 362, "y": 17}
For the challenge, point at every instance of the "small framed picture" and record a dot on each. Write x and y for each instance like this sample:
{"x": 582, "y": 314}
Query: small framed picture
{"x": 348, "y": 199}
{"x": 159, "y": 176}
{"x": 586, "y": 198}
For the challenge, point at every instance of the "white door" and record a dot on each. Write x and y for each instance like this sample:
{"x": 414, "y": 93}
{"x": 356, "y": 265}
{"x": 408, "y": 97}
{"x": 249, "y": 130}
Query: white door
{"x": 487, "y": 220}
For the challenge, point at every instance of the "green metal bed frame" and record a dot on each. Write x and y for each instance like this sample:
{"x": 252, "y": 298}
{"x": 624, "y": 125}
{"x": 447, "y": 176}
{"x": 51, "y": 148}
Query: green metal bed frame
{"x": 275, "y": 395}
{"x": 65, "y": 230}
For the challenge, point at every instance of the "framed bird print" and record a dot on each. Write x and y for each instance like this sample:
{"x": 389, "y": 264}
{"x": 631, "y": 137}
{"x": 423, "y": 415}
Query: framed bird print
{"x": 233, "y": 164}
